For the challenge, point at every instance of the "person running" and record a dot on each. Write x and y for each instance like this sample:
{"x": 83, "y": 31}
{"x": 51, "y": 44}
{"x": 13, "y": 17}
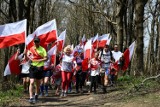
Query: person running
{"x": 45, "y": 81}
{"x": 68, "y": 63}
{"x": 94, "y": 66}
{"x": 80, "y": 76}
{"x": 25, "y": 64}
{"x": 38, "y": 56}
{"x": 57, "y": 78}
{"x": 106, "y": 58}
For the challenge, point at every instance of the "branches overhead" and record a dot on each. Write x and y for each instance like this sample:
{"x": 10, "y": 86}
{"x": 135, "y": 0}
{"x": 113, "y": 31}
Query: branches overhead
{"x": 97, "y": 10}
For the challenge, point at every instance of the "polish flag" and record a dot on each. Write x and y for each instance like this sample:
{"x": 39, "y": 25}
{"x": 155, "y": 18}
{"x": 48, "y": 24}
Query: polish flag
{"x": 88, "y": 49}
{"x": 12, "y": 66}
{"x": 128, "y": 55}
{"x": 75, "y": 50}
{"x": 29, "y": 41}
{"x": 95, "y": 41}
{"x": 13, "y": 33}
{"x": 83, "y": 41}
{"x": 85, "y": 65}
{"x": 52, "y": 54}
{"x": 127, "y": 58}
{"x": 46, "y": 32}
{"x": 61, "y": 40}
{"x": 103, "y": 40}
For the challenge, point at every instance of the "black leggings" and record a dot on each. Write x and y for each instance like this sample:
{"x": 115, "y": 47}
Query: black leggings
{"x": 80, "y": 79}
{"x": 94, "y": 81}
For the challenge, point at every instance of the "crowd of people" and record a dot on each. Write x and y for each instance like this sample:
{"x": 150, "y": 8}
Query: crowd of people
{"x": 68, "y": 71}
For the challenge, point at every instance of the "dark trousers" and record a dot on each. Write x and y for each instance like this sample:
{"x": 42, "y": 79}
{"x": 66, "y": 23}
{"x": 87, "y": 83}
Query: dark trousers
{"x": 80, "y": 79}
{"x": 94, "y": 81}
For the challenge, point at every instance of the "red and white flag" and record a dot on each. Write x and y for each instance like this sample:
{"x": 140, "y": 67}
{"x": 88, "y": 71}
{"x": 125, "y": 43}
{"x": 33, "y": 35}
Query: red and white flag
{"x": 13, "y": 33}
{"x": 61, "y": 40}
{"x": 85, "y": 66}
{"x": 75, "y": 50}
{"x": 51, "y": 57}
{"x": 128, "y": 55}
{"x": 29, "y": 40}
{"x": 127, "y": 58}
{"x": 88, "y": 49}
{"x": 13, "y": 66}
{"x": 47, "y": 33}
{"x": 95, "y": 41}
{"x": 103, "y": 40}
{"x": 52, "y": 54}
{"x": 83, "y": 41}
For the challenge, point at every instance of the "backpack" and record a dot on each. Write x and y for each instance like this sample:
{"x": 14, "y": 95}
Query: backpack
{"x": 110, "y": 55}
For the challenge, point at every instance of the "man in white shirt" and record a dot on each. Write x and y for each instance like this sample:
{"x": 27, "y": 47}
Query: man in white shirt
{"x": 116, "y": 55}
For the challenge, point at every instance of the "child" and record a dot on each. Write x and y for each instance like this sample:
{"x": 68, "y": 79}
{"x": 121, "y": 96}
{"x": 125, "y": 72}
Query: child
{"x": 94, "y": 65}
{"x": 57, "y": 78}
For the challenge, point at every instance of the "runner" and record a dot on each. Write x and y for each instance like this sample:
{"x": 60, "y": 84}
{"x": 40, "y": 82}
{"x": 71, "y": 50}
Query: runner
{"x": 106, "y": 58}
{"x": 25, "y": 63}
{"x": 38, "y": 56}
{"x": 45, "y": 81}
{"x": 68, "y": 63}
{"x": 80, "y": 75}
{"x": 57, "y": 78}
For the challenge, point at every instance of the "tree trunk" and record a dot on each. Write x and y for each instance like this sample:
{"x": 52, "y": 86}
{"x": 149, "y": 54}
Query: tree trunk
{"x": 130, "y": 23}
{"x": 119, "y": 20}
{"x": 158, "y": 53}
{"x": 139, "y": 15}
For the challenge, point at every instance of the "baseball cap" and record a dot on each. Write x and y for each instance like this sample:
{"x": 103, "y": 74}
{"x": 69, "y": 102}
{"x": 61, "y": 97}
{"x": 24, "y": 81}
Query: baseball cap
{"x": 36, "y": 39}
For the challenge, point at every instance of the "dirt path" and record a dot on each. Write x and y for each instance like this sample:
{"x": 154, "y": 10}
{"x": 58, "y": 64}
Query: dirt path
{"x": 114, "y": 98}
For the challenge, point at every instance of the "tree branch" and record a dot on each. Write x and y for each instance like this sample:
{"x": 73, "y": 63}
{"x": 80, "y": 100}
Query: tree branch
{"x": 100, "y": 12}
{"x": 3, "y": 13}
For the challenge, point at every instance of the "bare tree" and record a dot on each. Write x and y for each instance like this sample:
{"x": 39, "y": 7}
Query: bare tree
{"x": 139, "y": 19}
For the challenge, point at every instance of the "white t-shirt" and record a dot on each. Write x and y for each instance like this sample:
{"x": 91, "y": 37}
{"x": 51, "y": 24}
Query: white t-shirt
{"x": 116, "y": 55}
{"x": 25, "y": 66}
{"x": 67, "y": 63}
{"x": 94, "y": 72}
